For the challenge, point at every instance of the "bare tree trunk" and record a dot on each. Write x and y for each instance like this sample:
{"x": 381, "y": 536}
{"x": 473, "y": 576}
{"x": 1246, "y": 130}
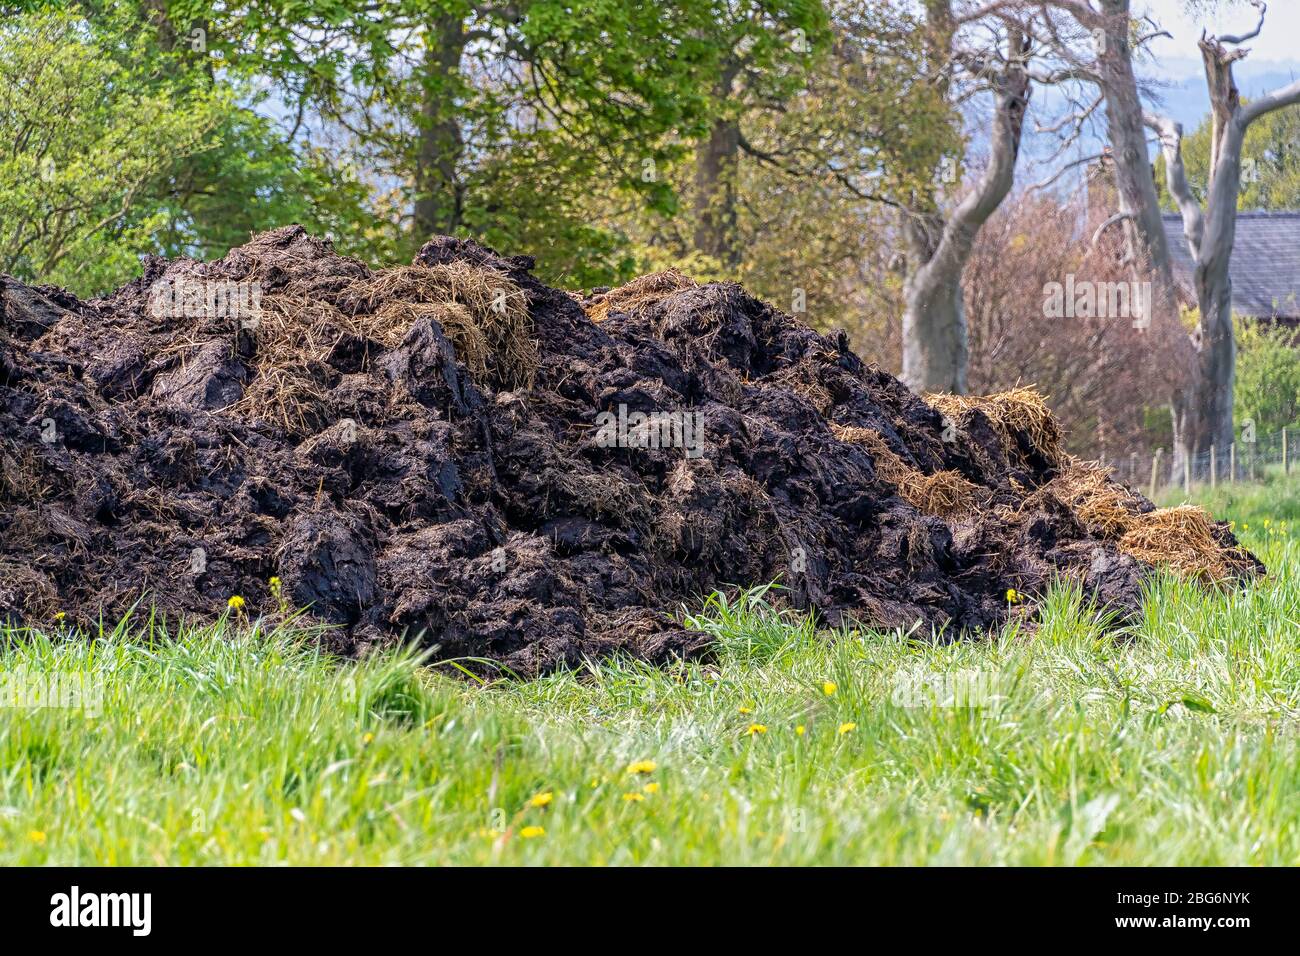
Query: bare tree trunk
{"x": 935, "y": 349}
{"x": 439, "y": 194}
{"x": 1214, "y": 419}
{"x": 1211, "y": 234}
{"x": 715, "y": 192}
{"x": 716, "y": 161}
{"x": 1140, "y": 206}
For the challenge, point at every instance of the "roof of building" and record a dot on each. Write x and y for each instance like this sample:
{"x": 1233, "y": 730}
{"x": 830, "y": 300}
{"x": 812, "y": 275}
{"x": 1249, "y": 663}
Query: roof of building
{"x": 1265, "y": 264}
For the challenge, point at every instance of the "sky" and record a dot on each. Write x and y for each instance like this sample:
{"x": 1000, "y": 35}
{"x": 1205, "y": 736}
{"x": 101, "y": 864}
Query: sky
{"x": 1274, "y": 59}
{"x": 1175, "y": 75}
{"x": 1278, "y": 45}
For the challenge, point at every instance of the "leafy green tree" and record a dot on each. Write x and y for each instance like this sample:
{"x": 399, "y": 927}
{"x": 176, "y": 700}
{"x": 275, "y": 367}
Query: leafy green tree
{"x": 498, "y": 118}
{"x": 83, "y": 138}
{"x": 124, "y": 139}
{"x": 1268, "y": 375}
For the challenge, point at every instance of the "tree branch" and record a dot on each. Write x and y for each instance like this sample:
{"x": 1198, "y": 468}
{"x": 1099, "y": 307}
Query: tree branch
{"x": 1278, "y": 99}
{"x": 1112, "y": 221}
{"x": 1171, "y": 145}
{"x": 1262, "y": 7}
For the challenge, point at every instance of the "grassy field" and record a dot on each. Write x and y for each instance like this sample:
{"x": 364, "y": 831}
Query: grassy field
{"x": 1172, "y": 743}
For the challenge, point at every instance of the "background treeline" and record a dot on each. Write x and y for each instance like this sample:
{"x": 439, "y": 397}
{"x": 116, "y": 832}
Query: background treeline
{"x": 818, "y": 152}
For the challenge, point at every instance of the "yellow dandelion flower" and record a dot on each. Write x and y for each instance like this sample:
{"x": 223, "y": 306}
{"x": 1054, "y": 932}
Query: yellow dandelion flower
{"x": 744, "y": 710}
{"x": 633, "y": 797}
{"x": 542, "y": 799}
{"x": 1013, "y": 596}
{"x": 828, "y": 688}
{"x": 756, "y": 729}
{"x": 37, "y": 837}
{"x": 488, "y": 833}
{"x": 800, "y": 730}
{"x": 642, "y": 766}
{"x": 848, "y": 727}
{"x": 529, "y": 833}
{"x": 236, "y": 603}
{"x": 59, "y": 616}
{"x": 367, "y": 738}
{"x": 651, "y": 788}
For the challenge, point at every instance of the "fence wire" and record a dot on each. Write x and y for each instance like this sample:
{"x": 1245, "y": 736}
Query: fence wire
{"x": 1242, "y": 461}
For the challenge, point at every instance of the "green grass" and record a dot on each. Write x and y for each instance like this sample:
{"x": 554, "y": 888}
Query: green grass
{"x": 1274, "y": 497}
{"x": 1173, "y": 743}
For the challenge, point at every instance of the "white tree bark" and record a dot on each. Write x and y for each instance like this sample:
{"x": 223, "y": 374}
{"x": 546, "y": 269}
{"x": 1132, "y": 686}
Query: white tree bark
{"x": 1108, "y": 63}
{"x": 1211, "y": 233}
{"x": 935, "y": 350}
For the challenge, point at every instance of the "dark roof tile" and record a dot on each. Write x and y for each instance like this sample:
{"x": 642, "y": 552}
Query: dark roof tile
{"x": 1265, "y": 263}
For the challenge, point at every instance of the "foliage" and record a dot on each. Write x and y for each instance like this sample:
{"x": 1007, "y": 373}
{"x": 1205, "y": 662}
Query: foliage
{"x": 87, "y": 136}
{"x": 1267, "y": 388}
{"x": 114, "y": 156}
{"x": 251, "y": 180}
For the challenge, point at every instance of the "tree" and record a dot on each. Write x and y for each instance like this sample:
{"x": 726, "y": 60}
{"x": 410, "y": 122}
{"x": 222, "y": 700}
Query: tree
{"x": 453, "y": 100}
{"x": 1270, "y": 163}
{"x": 84, "y": 141}
{"x": 1268, "y": 376}
{"x": 1210, "y": 231}
{"x": 1100, "y": 50}
{"x": 935, "y": 349}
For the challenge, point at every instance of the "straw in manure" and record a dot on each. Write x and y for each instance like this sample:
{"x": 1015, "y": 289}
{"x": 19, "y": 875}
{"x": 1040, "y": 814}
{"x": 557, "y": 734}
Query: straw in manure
{"x": 481, "y": 312}
{"x": 638, "y": 293}
{"x": 1182, "y": 539}
{"x": 1103, "y": 504}
{"x": 1020, "y": 411}
{"x": 945, "y": 494}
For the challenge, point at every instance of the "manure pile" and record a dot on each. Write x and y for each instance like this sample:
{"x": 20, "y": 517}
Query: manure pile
{"x": 454, "y": 450}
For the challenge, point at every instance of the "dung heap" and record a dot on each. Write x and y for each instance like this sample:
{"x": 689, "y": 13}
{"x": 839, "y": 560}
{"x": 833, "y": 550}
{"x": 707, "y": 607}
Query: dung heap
{"x": 455, "y": 453}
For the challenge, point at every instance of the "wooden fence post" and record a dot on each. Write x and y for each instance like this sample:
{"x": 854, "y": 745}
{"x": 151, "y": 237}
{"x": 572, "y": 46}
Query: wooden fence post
{"x": 1155, "y": 472}
{"x": 1214, "y": 468}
